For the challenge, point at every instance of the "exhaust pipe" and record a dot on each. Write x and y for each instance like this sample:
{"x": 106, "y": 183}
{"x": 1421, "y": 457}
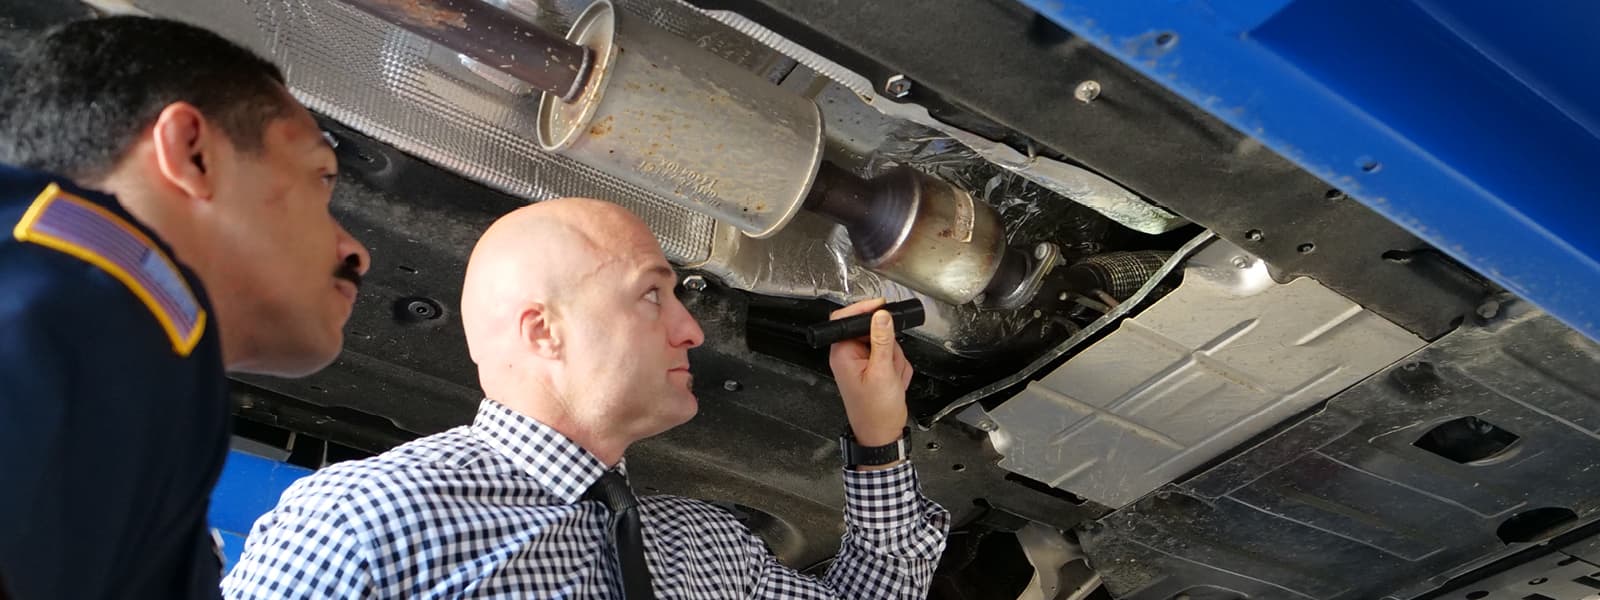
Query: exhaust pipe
{"x": 643, "y": 105}
{"x": 494, "y": 37}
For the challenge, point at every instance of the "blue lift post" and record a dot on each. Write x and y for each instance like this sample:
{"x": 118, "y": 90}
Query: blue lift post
{"x": 1475, "y": 124}
{"x": 249, "y": 487}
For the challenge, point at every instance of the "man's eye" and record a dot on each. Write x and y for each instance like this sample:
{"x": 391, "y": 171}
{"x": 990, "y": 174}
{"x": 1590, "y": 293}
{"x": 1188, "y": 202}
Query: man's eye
{"x": 654, "y": 296}
{"x": 330, "y": 179}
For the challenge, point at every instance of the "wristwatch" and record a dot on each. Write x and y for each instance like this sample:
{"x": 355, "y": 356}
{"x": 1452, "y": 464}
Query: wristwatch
{"x": 857, "y": 455}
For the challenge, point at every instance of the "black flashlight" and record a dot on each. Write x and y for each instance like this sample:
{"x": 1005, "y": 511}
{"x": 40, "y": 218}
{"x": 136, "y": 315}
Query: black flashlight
{"x": 906, "y": 314}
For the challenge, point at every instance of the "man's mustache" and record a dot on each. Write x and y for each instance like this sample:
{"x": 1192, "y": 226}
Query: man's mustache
{"x": 350, "y": 270}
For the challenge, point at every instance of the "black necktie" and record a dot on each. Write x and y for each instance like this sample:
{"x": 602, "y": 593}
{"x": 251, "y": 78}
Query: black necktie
{"x": 626, "y": 534}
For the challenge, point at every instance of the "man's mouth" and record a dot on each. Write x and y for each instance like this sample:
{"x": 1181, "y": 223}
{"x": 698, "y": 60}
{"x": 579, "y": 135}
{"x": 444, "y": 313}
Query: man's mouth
{"x": 687, "y": 375}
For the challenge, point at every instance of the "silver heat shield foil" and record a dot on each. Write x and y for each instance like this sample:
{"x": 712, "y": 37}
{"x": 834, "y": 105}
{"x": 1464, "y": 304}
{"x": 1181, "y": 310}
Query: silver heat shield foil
{"x": 427, "y": 101}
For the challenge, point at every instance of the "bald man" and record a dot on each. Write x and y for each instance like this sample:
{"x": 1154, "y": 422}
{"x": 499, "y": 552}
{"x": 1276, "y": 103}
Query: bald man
{"x": 582, "y": 350}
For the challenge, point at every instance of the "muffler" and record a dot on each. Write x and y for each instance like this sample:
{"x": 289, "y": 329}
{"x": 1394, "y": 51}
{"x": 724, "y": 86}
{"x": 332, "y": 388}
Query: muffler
{"x": 662, "y": 114}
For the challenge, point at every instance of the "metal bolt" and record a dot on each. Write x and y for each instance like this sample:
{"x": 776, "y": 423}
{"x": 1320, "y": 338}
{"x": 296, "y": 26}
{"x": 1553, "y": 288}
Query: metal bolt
{"x": 897, "y": 86}
{"x": 1087, "y": 91}
{"x": 1038, "y": 313}
{"x": 1254, "y": 235}
{"x": 423, "y": 309}
{"x": 731, "y": 385}
{"x": 987, "y": 425}
{"x": 1489, "y": 309}
{"x": 1064, "y": 297}
{"x": 1240, "y": 262}
{"x": 694, "y": 283}
{"x": 1041, "y": 250}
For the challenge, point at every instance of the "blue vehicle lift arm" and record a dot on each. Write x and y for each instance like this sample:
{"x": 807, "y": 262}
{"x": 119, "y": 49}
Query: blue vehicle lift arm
{"x": 1473, "y": 124}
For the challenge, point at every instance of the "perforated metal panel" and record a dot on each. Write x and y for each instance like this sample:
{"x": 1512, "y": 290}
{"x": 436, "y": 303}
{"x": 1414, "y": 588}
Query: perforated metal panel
{"x": 421, "y": 98}
{"x": 1227, "y": 355}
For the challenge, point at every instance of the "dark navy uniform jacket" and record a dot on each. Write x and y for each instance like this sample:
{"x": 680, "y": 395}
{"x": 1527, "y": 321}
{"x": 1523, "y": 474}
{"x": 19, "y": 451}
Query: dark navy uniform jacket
{"x": 113, "y": 403}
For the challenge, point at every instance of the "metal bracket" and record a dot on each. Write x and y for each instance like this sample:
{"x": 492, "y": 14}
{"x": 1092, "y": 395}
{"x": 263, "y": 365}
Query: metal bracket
{"x": 1061, "y": 571}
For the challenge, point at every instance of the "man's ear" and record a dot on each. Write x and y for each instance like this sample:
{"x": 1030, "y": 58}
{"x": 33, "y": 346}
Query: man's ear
{"x": 186, "y": 149}
{"x": 538, "y": 331}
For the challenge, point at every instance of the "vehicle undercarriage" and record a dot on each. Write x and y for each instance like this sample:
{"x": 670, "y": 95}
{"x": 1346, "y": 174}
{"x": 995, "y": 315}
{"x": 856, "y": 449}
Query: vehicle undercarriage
{"x": 1183, "y": 367}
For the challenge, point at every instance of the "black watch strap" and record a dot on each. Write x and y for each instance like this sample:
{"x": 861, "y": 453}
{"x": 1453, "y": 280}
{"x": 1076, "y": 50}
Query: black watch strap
{"x": 856, "y": 455}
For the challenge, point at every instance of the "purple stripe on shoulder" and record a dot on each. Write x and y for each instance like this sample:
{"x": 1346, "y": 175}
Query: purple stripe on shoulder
{"x": 87, "y": 228}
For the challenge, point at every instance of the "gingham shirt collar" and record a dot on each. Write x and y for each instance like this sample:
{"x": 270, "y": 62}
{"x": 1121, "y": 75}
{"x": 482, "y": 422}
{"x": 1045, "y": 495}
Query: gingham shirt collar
{"x": 562, "y": 467}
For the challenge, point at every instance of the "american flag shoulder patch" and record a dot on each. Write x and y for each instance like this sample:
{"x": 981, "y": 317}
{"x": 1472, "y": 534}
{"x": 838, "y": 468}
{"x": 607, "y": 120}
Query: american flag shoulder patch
{"x": 59, "y": 220}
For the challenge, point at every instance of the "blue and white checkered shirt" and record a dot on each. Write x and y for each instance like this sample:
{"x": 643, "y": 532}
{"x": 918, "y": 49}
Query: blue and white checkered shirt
{"x": 495, "y": 509}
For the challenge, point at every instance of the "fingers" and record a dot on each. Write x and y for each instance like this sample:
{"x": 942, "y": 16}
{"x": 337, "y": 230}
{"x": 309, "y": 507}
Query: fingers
{"x": 859, "y": 308}
{"x": 880, "y": 351}
{"x": 904, "y": 366}
{"x": 883, "y": 346}
{"x": 846, "y": 353}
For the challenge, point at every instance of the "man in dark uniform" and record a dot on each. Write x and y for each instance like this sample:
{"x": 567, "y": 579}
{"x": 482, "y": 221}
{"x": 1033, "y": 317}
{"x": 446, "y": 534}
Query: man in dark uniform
{"x": 164, "y": 203}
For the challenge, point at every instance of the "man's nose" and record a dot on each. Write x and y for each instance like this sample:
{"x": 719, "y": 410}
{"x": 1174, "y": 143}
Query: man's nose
{"x": 349, "y": 247}
{"x": 687, "y": 331}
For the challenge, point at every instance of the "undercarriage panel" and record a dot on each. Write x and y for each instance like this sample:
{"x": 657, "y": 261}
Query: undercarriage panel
{"x": 1224, "y": 357}
{"x": 1383, "y": 493}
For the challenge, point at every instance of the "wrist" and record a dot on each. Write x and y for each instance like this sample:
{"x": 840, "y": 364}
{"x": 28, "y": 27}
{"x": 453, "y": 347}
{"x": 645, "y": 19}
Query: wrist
{"x": 864, "y": 455}
{"x": 868, "y": 468}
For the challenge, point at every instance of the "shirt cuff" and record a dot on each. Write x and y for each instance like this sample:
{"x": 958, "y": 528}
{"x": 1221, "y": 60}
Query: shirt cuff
{"x": 883, "y": 500}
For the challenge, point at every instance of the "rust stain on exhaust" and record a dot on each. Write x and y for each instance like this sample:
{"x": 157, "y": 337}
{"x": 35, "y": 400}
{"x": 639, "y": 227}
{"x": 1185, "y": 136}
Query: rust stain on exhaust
{"x": 603, "y": 127}
{"x": 422, "y": 13}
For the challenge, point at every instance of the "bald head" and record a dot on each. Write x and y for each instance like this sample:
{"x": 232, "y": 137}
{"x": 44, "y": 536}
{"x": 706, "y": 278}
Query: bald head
{"x": 570, "y": 313}
{"x": 545, "y": 253}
